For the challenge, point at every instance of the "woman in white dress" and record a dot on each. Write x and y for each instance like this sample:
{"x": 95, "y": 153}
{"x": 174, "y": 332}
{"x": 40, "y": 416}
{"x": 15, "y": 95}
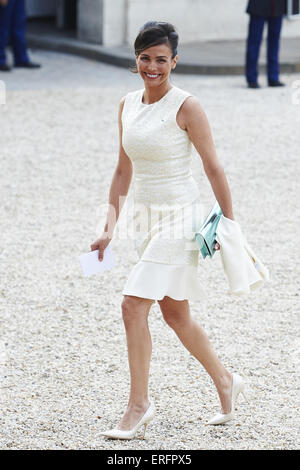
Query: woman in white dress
{"x": 158, "y": 126}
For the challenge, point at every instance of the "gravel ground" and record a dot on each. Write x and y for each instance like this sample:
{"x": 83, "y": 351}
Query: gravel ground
{"x": 63, "y": 356}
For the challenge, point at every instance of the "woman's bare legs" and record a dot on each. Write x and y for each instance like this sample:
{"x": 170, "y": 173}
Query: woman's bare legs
{"x": 177, "y": 314}
{"x": 135, "y": 311}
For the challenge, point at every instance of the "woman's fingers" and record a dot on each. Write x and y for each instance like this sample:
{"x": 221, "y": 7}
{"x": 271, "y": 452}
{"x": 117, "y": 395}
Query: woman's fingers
{"x": 101, "y": 245}
{"x": 100, "y": 254}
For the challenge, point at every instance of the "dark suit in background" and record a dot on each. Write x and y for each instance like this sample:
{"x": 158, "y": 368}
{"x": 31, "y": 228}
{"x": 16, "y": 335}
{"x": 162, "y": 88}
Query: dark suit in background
{"x": 13, "y": 27}
{"x": 261, "y": 11}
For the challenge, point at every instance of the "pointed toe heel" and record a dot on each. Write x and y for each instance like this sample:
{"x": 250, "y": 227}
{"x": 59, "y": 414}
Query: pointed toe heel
{"x": 130, "y": 434}
{"x": 220, "y": 418}
{"x": 238, "y": 386}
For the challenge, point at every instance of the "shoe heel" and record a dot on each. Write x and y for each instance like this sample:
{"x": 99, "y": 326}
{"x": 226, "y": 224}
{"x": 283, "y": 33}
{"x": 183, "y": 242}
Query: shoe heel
{"x": 244, "y": 396}
{"x": 143, "y": 436}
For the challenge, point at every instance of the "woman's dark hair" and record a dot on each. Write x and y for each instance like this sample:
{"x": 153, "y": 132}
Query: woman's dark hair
{"x": 154, "y": 33}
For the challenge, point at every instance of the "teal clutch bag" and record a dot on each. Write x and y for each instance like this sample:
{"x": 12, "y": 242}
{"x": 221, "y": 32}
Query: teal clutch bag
{"x": 206, "y": 237}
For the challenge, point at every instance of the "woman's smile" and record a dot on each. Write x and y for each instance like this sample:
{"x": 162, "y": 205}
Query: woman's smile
{"x": 152, "y": 76}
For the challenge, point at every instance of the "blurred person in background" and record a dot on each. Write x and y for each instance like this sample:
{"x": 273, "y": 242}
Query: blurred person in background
{"x": 13, "y": 26}
{"x": 261, "y": 11}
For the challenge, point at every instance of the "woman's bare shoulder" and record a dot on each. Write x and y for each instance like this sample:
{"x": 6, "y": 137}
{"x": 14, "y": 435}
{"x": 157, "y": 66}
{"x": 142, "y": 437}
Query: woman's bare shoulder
{"x": 190, "y": 111}
{"x": 191, "y": 105}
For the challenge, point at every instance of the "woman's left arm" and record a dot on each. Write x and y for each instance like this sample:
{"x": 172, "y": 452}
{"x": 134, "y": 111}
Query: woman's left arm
{"x": 192, "y": 118}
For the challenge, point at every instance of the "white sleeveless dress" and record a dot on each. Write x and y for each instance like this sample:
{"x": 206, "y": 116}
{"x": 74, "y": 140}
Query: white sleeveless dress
{"x": 167, "y": 206}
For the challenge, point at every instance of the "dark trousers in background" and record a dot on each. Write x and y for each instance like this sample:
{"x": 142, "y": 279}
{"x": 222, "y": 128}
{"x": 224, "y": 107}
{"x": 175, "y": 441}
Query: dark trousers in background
{"x": 13, "y": 27}
{"x": 255, "y": 35}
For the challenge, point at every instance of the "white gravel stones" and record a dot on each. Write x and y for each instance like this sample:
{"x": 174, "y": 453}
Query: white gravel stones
{"x": 63, "y": 357}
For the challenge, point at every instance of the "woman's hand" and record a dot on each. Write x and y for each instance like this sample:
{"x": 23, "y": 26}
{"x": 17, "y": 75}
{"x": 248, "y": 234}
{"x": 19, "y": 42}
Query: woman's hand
{"x": 101, "y": 244}
{"x": 217, "y": 246}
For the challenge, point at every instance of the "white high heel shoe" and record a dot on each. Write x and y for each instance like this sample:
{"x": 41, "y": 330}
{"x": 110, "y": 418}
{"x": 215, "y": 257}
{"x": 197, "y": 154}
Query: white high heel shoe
{"x": 238, "y": 386}
{"x": 129, "y": 434}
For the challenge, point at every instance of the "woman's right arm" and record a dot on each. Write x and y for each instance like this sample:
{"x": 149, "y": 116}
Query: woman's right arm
{"x": 118, "y": 191}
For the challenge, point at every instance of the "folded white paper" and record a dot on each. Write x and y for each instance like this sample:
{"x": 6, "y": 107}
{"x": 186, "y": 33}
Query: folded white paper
{"x": 90, "y": 263}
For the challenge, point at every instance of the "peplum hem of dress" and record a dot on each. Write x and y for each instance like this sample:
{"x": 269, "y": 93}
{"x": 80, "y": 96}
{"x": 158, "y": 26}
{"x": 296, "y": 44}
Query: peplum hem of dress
{"x": 152, "y": 280}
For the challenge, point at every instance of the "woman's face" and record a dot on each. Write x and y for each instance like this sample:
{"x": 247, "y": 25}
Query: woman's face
{"x": 155, "y": 64}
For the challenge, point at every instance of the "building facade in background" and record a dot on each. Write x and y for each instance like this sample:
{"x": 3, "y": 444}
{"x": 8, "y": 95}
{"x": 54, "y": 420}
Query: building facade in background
{"x": 116, "y": 22}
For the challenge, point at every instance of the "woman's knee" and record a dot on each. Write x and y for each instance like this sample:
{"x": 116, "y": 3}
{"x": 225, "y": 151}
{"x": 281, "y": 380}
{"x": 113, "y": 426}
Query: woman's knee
{"x": 175, "y": 319}
{"x": 135, "y": 309}
{"x": 176, "y": 316}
